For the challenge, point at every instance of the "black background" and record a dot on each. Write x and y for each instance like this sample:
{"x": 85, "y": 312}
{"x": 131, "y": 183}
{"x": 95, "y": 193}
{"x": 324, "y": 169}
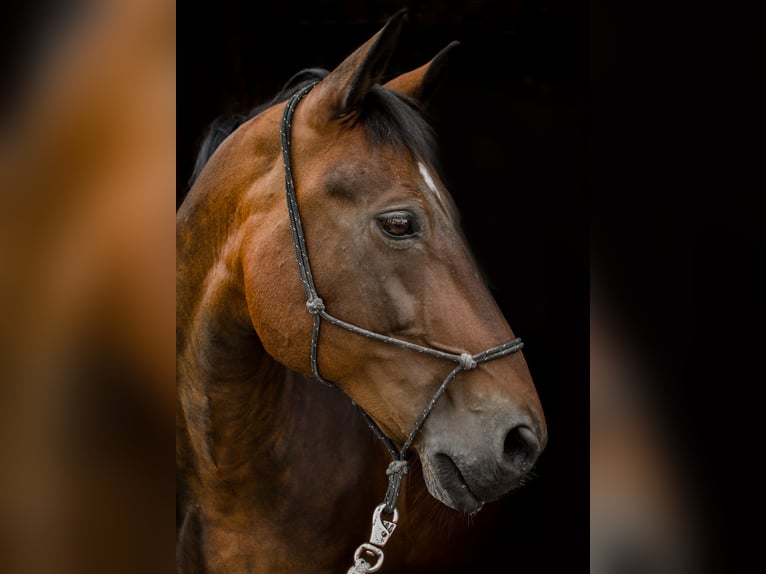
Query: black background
{"x": 511, "y": 123}
{"x": 677, "y": 223}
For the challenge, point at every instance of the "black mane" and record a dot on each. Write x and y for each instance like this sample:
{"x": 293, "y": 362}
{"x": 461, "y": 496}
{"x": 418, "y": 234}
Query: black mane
{"x": 388, "y": 117}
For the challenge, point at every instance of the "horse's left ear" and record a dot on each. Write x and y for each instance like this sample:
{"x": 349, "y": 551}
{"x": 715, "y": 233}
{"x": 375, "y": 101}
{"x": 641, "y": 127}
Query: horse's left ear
{"x": 342, "y": 91}
{"x": 422, "y": 82}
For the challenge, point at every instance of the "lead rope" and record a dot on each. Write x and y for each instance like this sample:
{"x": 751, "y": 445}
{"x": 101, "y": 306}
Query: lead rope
{"x": 369, "y": 555}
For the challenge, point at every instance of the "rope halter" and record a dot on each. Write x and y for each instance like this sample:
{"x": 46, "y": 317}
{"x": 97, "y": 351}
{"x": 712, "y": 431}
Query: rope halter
{"x": 316, "y": 307}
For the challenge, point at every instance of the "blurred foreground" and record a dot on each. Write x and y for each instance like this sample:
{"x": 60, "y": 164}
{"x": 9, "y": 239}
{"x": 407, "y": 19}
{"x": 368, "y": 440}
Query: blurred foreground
{"x": 87, "y": 295}
{"x": 645, "y": 513}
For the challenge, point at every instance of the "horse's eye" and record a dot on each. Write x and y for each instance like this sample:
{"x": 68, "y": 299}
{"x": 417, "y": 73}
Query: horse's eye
{"x": 398, "y": 225}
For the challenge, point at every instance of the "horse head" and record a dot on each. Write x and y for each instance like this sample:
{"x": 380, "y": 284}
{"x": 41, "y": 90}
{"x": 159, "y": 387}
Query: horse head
{"x": 387, "y": 254}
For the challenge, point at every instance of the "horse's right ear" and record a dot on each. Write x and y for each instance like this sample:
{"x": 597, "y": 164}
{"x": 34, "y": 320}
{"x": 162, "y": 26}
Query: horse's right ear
{"x": 422, "y": 82}
{"x": 342, "y": 91}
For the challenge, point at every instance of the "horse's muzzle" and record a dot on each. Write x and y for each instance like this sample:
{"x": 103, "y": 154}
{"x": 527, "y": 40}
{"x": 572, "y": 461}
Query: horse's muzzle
{"x": 465, "y": 476}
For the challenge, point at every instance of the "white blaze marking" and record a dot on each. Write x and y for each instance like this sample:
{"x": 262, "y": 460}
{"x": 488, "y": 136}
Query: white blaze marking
{"x": 429, "y": 181}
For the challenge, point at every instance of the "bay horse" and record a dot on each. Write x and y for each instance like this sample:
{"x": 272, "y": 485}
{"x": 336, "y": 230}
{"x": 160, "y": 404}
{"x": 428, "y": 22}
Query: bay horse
{"x": 318, "y": 244}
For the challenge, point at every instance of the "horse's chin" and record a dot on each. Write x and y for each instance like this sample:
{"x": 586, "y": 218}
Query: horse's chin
{"x": 446, "y": 484}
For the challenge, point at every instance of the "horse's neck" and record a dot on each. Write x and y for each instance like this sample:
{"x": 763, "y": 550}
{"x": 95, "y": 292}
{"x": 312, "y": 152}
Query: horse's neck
{"x": 247, "y": 415}
{"x": 270, "y": 456}
{"x": 291, "y": 467}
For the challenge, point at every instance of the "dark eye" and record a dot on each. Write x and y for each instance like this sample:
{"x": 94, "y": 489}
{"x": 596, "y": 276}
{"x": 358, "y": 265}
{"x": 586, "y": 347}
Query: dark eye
{"x": 398, "y": 225}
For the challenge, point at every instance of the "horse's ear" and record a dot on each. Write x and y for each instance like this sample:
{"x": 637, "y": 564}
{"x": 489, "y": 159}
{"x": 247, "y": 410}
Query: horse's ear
{"x": 342, "y": 90}
{"x": 422, "y": 82}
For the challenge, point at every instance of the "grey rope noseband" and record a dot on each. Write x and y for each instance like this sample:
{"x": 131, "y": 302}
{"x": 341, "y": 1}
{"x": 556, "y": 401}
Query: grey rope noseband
{"x": 316, "y": 307}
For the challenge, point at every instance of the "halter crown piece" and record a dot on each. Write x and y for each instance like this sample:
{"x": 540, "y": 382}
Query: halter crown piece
{"x": 369, "y": 556}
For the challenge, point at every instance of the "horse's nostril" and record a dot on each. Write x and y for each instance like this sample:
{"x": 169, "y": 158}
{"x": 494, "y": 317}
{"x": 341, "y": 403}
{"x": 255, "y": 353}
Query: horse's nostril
{"x": 521, "y": 447}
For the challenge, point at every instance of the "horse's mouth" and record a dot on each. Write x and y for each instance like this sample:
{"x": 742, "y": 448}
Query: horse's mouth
{"x": 446, "y": 483}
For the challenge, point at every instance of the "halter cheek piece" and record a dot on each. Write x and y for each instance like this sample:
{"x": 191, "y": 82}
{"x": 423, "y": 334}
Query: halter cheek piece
{"x": 314, "y": 304}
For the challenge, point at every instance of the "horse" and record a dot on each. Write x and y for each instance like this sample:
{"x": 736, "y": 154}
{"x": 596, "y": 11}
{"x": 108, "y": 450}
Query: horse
{"x": 339, "y": 353}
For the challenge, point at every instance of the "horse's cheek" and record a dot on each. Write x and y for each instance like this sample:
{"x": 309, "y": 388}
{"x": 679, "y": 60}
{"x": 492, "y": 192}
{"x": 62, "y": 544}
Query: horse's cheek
{"x": 276, "y": 309}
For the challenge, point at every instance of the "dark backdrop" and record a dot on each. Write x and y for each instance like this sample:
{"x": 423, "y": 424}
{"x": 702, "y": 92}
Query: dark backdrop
{"x": 678, "y": 227}
{"x": 511, "y": 123}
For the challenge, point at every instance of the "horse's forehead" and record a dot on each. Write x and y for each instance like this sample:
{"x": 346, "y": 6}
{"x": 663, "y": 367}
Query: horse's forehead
{"x": 370, "y": 176}
{"x": 350, "y": 166}
{"x": 371, "y": 169}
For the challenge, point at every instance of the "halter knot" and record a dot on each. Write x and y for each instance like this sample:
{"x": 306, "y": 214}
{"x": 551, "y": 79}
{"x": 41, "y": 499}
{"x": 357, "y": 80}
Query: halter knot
{"x": 315, "y": 305}
{"x": 395, "y": 472}
{"x": 467, "y": 361}
{"x": 397, "y": 467}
